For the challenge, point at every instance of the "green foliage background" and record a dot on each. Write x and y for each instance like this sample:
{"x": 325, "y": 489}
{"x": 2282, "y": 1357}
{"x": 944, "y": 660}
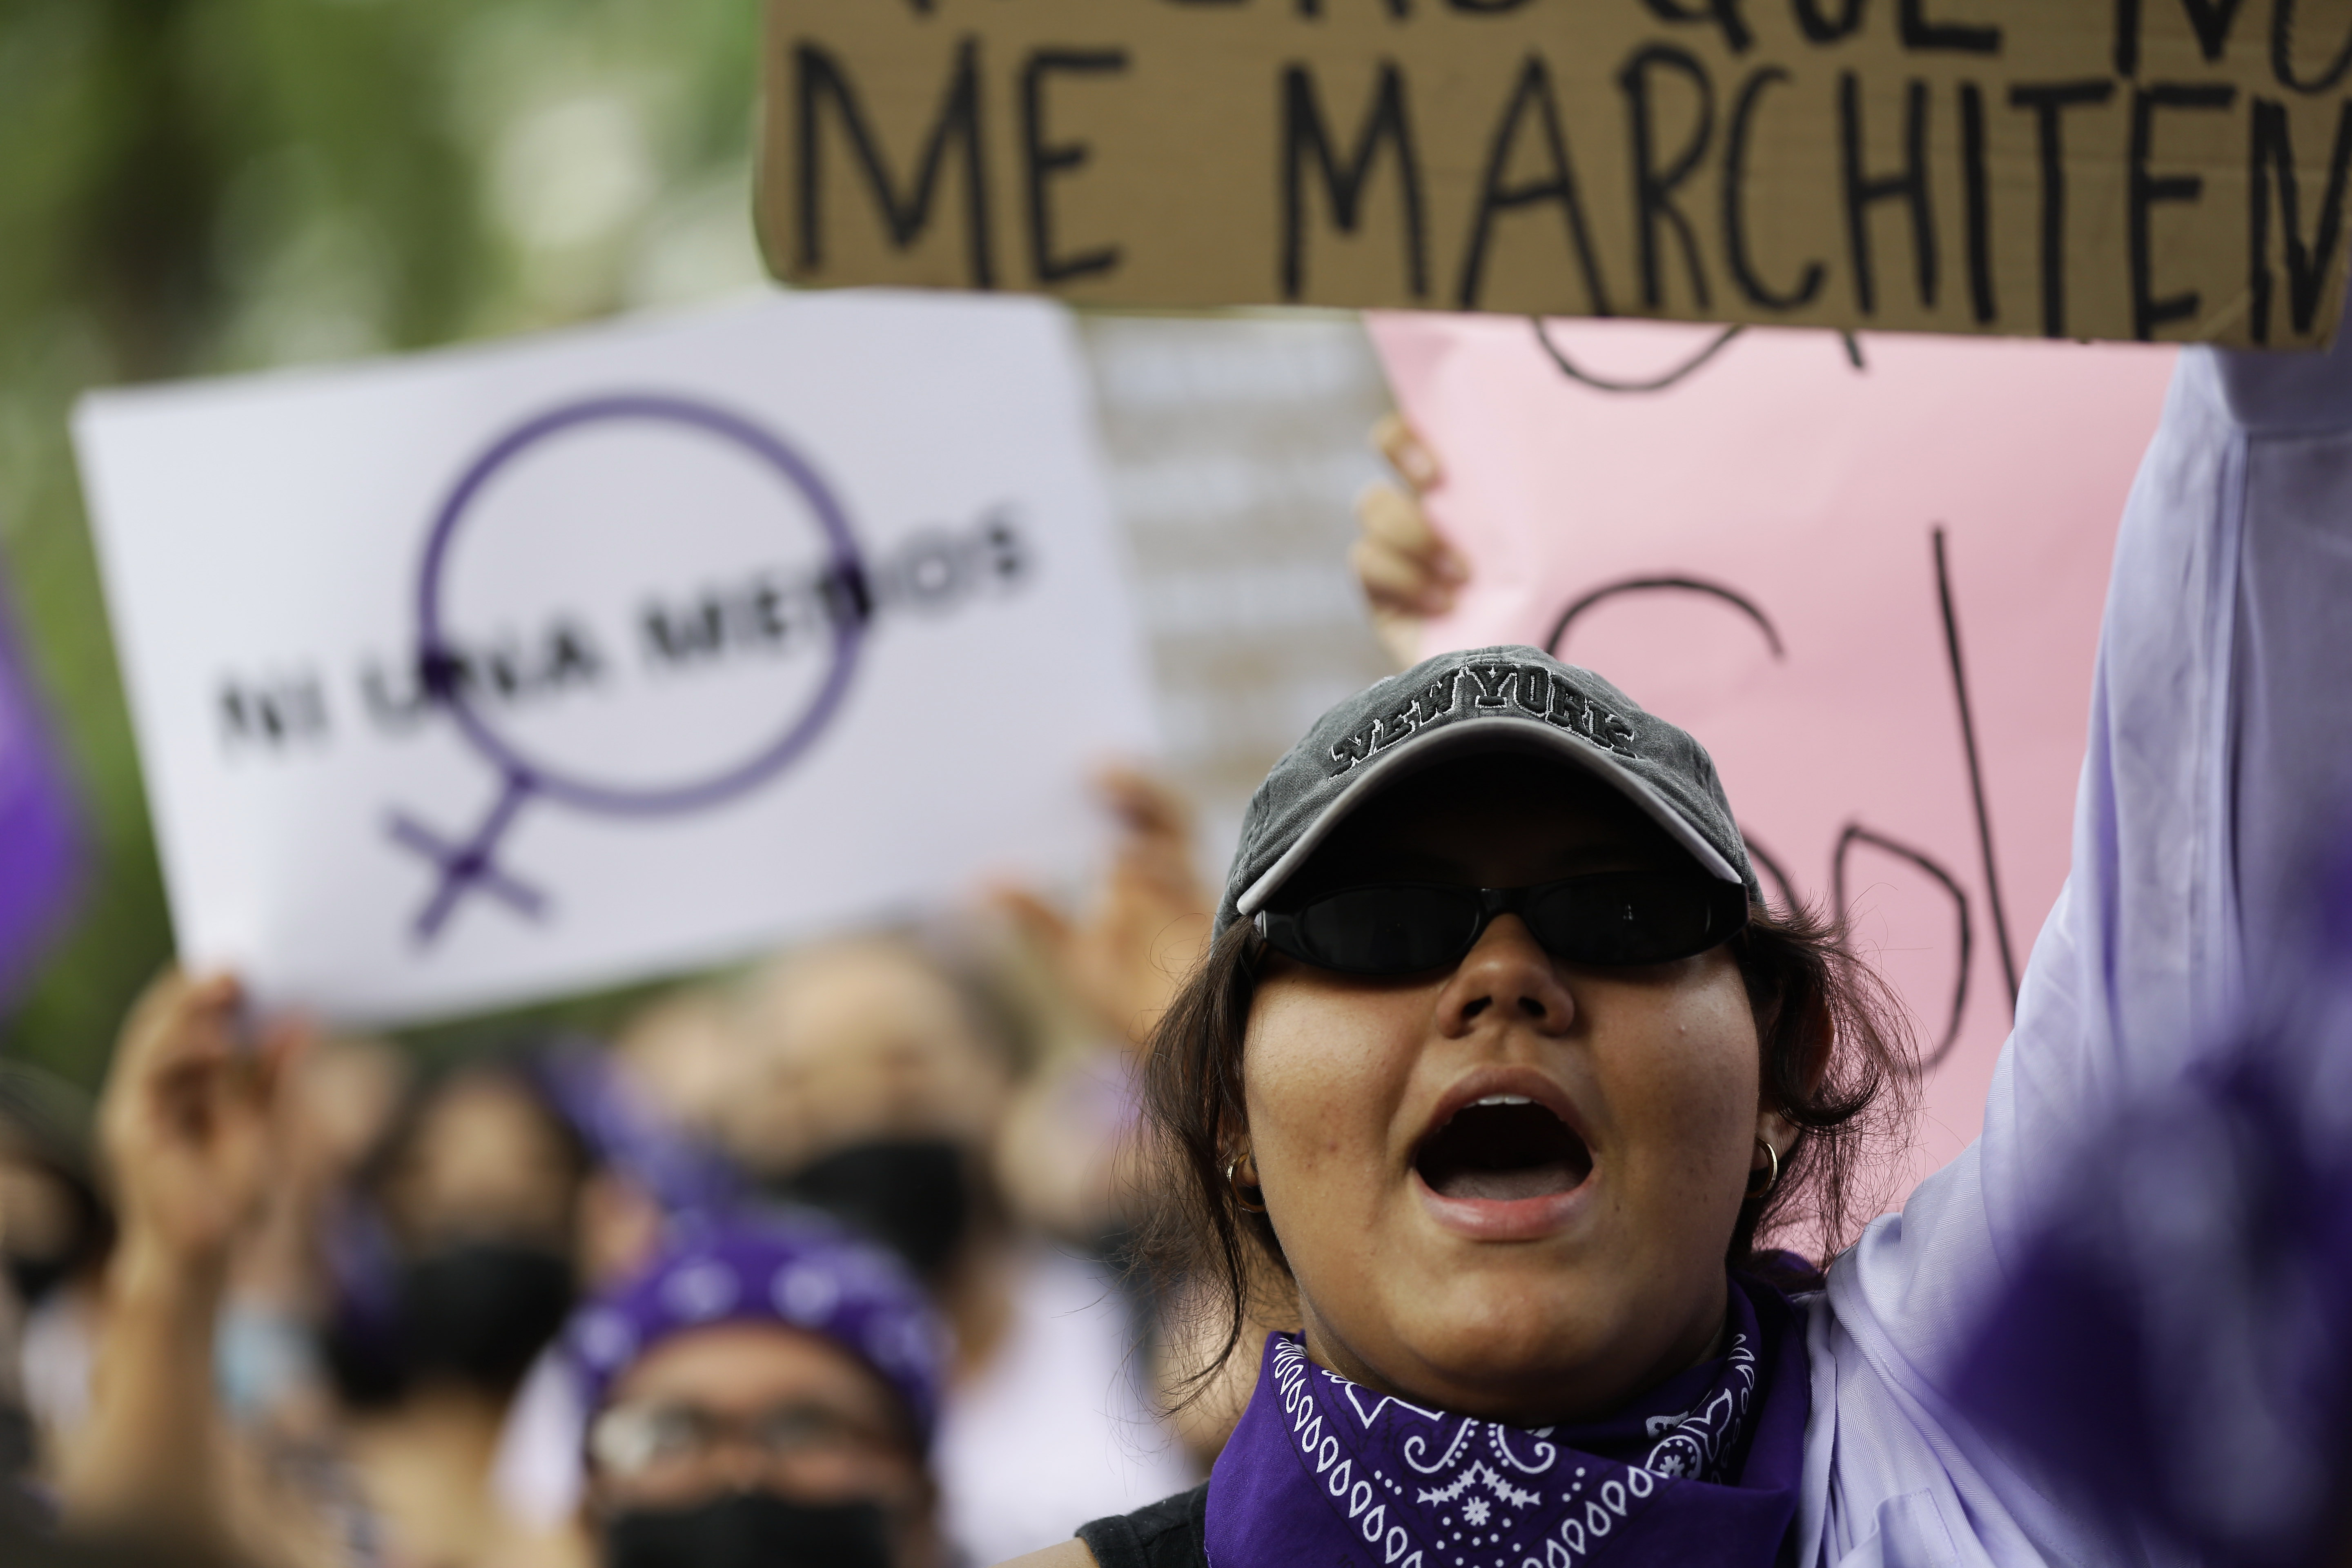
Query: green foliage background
{"x": 201, "y": 186}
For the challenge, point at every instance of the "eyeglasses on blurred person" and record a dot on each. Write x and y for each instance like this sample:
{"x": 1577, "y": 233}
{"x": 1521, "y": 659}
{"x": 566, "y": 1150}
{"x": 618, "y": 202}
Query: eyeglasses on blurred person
{"x": 763, "y": 1396}
{"x": 879, "y": 1084}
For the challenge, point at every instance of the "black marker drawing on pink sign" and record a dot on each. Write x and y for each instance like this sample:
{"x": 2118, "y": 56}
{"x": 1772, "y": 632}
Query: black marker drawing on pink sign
{"x": 1976, "y": 766}
{"x": 1732, "y": 597}
{"x": 1765, "y": 861}
{"x": 1664, "y": 379}
{"x": 1855, "y": 833}
{"x": 470, "y": 864}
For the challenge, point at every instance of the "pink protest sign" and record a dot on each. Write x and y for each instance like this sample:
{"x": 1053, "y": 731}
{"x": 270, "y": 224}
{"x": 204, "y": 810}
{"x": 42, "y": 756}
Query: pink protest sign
{"x": 1803, "y": 550}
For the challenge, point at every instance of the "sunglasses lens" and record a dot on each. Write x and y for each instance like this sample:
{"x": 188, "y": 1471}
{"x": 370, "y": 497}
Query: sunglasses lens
{"x": 1388, "y": 929}
{"x": 1633, "y": 917}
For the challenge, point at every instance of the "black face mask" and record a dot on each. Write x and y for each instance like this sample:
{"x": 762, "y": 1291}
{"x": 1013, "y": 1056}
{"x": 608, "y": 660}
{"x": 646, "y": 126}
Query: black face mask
{"x": 33, "y": 1278}
{"x": 480, "y": 1312}
{"x": 750, "y": 1530}
{"x": 913, "y": 1195}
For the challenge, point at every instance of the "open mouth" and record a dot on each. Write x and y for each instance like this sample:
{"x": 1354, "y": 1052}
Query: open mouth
{"x": 1502, "y": 1148}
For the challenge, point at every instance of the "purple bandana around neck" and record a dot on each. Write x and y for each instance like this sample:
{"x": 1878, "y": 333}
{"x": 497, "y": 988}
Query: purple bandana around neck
{"x": 1702, "y": 1470}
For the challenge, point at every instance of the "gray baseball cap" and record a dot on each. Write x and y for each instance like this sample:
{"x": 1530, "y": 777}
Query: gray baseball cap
{"x": 1482, "y": 700}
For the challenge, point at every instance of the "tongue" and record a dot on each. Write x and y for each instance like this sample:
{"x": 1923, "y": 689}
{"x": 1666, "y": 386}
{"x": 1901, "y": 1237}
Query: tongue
{"x": 1504, "y": 1186}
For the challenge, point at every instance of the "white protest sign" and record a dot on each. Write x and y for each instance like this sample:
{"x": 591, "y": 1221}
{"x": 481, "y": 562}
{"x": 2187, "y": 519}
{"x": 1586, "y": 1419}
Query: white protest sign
{"x": 481, "y": 676}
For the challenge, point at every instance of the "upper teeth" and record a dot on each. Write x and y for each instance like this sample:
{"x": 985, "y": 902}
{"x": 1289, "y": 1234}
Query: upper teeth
{"x": 1503, "y": 1099}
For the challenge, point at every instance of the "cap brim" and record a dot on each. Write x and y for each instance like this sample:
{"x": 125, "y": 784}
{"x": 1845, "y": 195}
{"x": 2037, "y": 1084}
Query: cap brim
{"x": 1471, "y": 736}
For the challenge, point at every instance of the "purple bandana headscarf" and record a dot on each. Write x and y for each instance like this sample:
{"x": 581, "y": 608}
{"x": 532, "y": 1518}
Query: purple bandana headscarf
{"x": 794, "y": 1269}
{"x": 1702, "y": 1470}
{"x": 583, "y": 1083}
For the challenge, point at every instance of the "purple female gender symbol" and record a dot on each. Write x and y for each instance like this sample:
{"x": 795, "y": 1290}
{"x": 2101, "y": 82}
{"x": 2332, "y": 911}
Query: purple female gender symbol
{"x": 473, "y": 864}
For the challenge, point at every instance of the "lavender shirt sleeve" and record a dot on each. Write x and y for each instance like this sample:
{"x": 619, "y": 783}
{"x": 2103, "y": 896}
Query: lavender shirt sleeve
{"x": 2219, "y": 757}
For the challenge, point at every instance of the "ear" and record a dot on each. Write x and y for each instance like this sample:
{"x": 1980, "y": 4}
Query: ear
{"x": 1233, "y": 1131}
{"x": 1810, "y": 1022}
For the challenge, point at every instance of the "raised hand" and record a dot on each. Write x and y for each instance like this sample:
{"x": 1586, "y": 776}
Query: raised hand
{"x": 188, "y": 1129}
{"x": 1408, "y": 572}
{"x": 1147, "y": 927}
{"x": 187, "y": 1124}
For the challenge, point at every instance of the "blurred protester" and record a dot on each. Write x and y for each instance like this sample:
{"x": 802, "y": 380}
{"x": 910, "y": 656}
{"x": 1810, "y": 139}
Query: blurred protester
{"x": 879, "y": 1091}
{"x": 187, "y": 1128}
{"x": 680, "y": 1052}
{"x": 334, "y": 1106}
{"x": 650, "y": 1183}
{"x": 1071, "y": 1153}
{"x": 1066, "y": 1154}
{"x": 763, "y": 1396}
{"x": 873, "y": 1088}
{"x": 454, "y": 1263}
{"x": 19, "y": 1499}
{"x": 509, "y": 1185}
{"x": 449, "y": 1265}
{"x": 56, "y": 1231}
{"x": 23, "y": 1546}
{"x": 649, "y": 1172}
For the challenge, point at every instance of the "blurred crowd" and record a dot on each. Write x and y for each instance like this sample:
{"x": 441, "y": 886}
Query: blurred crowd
{"x": 831, "y": 1256}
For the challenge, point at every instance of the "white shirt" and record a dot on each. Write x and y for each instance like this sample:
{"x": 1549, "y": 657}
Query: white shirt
{"x": 2221, "y": 750}
{"x": 1054, "y": 1430}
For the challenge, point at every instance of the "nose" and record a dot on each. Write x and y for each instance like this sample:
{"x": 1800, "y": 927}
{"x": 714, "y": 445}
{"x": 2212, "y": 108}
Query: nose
{"x": 742, "y": 1464}
{"x": 1507, "y": 979}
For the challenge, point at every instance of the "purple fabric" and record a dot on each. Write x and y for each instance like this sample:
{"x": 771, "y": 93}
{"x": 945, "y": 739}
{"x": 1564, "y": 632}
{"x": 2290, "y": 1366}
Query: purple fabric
{"x": 581, "y": 1082}
{"x": 2173, "y": 1340}
{"x": 39, "y": 848}
{"x": 798, "y": 1270}
{"x": 1702, "y": 1470}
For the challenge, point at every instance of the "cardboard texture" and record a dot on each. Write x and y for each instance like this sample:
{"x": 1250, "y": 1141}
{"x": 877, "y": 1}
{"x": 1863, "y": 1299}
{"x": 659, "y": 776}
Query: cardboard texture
{"x": 2126, "y": 169}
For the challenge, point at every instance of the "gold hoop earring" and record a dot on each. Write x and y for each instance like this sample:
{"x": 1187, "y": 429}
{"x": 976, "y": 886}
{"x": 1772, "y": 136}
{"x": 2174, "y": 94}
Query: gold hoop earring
{"x": 1772, "y": 1176}
{"x": 1232, "y": 1181}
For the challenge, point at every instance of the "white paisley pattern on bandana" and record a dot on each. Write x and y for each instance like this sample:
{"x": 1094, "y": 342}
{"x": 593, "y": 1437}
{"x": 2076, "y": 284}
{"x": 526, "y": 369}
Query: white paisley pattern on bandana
{"x": 1422, "y": 1489}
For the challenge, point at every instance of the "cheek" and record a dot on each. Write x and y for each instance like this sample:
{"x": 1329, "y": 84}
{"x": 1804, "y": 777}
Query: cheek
{"x": 1685, "y": 1077}
{"x": 836, "y": 1477}
{"x": 1322, "y": 1072}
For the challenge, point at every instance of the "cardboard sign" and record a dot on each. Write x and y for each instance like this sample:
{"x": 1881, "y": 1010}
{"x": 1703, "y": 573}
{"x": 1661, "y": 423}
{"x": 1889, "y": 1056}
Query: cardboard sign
{"x": 1870, "y": 589}
{"x": 39, "y": 844}
{"x": 498, "y": 672}
{"x": 2139, "y": 169}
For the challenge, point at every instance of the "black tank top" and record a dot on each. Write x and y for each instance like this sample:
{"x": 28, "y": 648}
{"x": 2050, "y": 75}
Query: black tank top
{"x": 1167, "y": 1535}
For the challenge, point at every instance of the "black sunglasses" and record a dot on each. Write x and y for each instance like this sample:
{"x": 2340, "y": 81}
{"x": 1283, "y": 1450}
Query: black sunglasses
{"x": 1610, "y": 919}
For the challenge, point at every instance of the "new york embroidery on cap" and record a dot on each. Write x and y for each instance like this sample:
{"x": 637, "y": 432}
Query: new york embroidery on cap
{"x": 1424, "y": 707}
{"x": 1516, "y": 691}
